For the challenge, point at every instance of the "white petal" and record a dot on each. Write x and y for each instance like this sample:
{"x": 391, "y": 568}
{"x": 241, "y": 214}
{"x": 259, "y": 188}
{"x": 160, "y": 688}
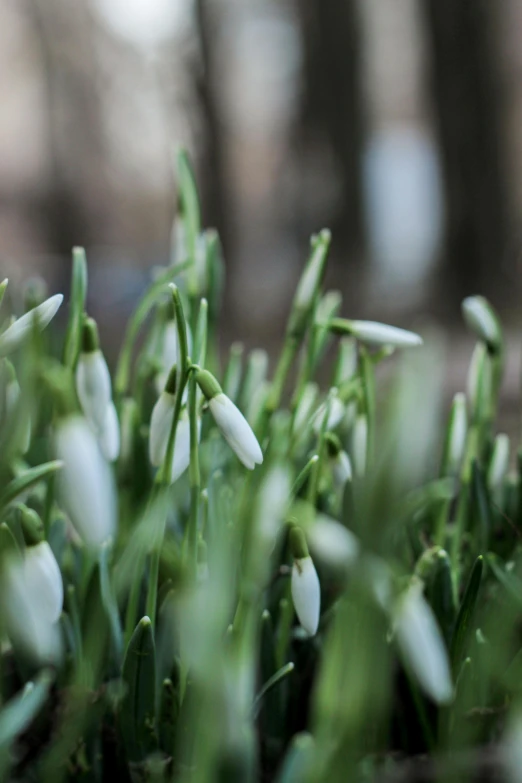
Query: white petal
{"x": 181, "y": 456}
{"x": 93, "y": 386}
{"x": 160, "y": 424}
{"x": 360, "y": 444}
{"x": 342, "y": 469}
{"x": 109, "y": 435}
{"x": 375, "y": 333}
{"x": 22, "y": 327}
{"x": 85, "y": 483}
{"x": 306, "y": 594}
{"x": 335, "y": 415}
{"x": 480, "y": 318}
{"x": 499, "y": 463}
{"x": 422, "y": 646}
{"x": 26, "y": 614}
{"x": 44, "y": 580}
{"x": 332, "y": 543}
{"x": 459, "y": 429}
{"x": 236, "y": 430}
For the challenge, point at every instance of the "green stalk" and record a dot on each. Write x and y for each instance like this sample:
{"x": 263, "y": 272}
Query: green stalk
{"x": 164, "y": 473}
{"x": 194, "y": 477}
{"x": 286, "y": 359}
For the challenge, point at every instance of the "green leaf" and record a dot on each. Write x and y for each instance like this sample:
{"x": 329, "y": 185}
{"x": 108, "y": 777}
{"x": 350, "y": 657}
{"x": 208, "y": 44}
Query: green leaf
{"x": 76, "y": 307}
{"x": 276, "y": 678}
{"x": 189, "y": 201}
{"x": 8, "y": 544}
{"x": 18, "y": 713}
{"x": 109, "y": 601}
{"x": 439, "y": 592}
{"x": 168, "y": 716}
{"x": 480, "y": 507}
{"x": 137, "y": 715}
{"x": 26, "y": 480}
{"x": 463, "y": 625}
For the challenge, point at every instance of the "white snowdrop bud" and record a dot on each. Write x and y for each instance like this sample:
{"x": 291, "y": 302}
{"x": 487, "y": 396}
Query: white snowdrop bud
{"x": 313, "y": 272}
{"x": 21, "y": 329}
{"x": 160, "y": 425}
{"x": 93, "y": 380}
{"x": 109, "y": 434}
{"x": 305, "y": 406}
{"x": 479, "y": 381}
{"x": 456, "y": 436}
{"x": 421, "y": 644}
{"x": 332, "y": 543}
{"x": 85, "y": 483}
{"x": 32, "y": 598}
{"x": 374, "y": 333}
{"x": 335, "y": 414}
{"x": 306, "y": 590}
{"x": 360, "y": 444}
{"x": 170, "y": 354}
{"x": 339, "y": 460}
{"x": 43, "y": 578}
{"x": 233, "y": 425}
{"x": 181, "y": 455}
{"x": 482, "y": 320}
{"x": 499, "y": 462}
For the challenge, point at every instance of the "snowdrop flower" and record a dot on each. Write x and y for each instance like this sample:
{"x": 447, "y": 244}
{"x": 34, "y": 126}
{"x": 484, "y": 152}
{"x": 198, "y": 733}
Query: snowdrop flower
{"x": 421, "y": 644}
{"x": 21, "y": 329}
{"x": 457, "y": 432}
{"x": 85, "y": 483}
{"x": 93, "y": 380}
{"x": 499, "y": 462}
{"x": 306, "y": 590}
{"x": 374, "y": 333}
{"x": 335, "y": 414}
{"x": 332, "y": 543}
{"x": 339, "y": 460}
{"x": 233, "y": 425}
{"x": 109, "y": 434}
{"x": 160, "y": 426}
{"x": 360, "y": 444}
{"x": 32, "y": 600}
{"x": 482, "y": 320}
{"x": 170, "y": 354}
{"x": 313, "y": 272}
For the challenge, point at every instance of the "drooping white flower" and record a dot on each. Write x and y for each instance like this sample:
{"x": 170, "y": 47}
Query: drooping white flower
{"x": 306, "y": 594}
{"x": 332, "y": 543}
{"x": 93, "y": 386}
{"x": 499, "y": 463}
{"x": 236, "y": 430}
{"x": 335, "y": 413}
{"x": 32, "y": 600}
{"x": 43, "y": 578}
{"x": 422, "y": 646}
{"x": 341, "y": 469}
{"x": 181, "y": 454}
{"x": 85, "y": 483}
{"x": 170, "y": 354}
{"x": 234, "y": 427}
{"x": 482, "y": 320}
{"x": 109, "y": 434}
{"x": 375, "y": 333}
{"x": 305, "y": 587}
{"x": 160, "y": 424}
{"x": 21, "y": 329}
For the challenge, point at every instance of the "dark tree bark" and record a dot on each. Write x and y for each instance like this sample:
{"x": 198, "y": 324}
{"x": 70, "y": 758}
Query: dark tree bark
{"x": 468, "y": 110}
{"x": 331, "y": 108}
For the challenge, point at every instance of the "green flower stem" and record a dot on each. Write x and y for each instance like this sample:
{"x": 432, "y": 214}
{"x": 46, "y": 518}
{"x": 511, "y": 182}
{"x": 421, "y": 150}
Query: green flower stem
{"x": 368, "y": 382}
{"x": 315, "y": 470}
{"x": 164, "y": 473}
{"x": 307, "y": 367}
{"x": 143, "y": 308}
{"x": 288, "y": 354}
{"x": 77, "y": 305}
{"x": 303, "y": 475}
{"x": 194, "y": 476}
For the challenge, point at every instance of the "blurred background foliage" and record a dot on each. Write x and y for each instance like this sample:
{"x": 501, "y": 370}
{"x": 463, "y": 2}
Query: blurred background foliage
{"x": 397, "y": 125}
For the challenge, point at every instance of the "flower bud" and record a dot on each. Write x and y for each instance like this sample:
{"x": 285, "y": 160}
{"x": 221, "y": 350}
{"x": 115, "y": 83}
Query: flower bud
{"x": 93, "y": 380}
{"x": 332, "y": 543}
{"x": 421, "y": 644}
{"x": 21, "y": 329}
{"x": 499, "y": 462}
{"x": 360, "y": 444}
{"x": 483, "y": 321}
{"x": 85, "y": 483}
{"x": 374, "y": 333}
{"x": 306, "y": 590}
{"x": 456, "y": 436}
{"x": 339, "y": 459}
{"x": 109, "y": 434}
{"x": 335, "y": 413}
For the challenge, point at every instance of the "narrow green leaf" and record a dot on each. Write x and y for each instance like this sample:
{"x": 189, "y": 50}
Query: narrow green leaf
{"x": 109, "y": 601}
{"x": 168, "y": 716}
{"x": 480, "y": 507}
{"x": 297, "y": 760}
{"x": 26, "y": 480}
{"x": 276, "y": 678}
{"x": 463, "y": 625}
{"x": 76, "y": 307}
{"x": 189, "y": 201}
{"x": 137, "y": 714}
{"x": 18, "y": 713}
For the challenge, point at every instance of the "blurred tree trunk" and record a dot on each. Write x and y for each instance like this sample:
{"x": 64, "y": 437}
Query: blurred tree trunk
{"x": 331, "y": 123}
{"x": 468, "y": 107}
{"x": 213, "y": 175}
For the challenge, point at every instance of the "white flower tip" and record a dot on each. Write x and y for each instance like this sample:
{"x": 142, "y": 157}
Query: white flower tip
{"x": 306, "y": 594}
